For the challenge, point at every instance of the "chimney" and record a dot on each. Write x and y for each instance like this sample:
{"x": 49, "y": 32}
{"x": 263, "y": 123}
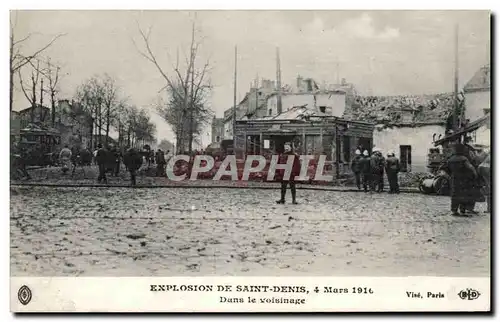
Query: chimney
{"x": 299, "y": 83}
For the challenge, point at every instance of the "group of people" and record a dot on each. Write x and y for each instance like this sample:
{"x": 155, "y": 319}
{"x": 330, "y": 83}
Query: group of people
{"x": 109, "y": 159}
{"x": 369, "y": 170}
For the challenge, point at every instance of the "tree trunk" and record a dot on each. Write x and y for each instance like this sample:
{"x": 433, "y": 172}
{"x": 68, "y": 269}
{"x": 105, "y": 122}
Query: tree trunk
{"x": 92, "y": 146}
{"x": 100, "y": 124}
{"x": 52, "y": 98}
{"x": 108, "y": 120}
{"x": 11, "y": 89}
{"x": 41, "y": 102}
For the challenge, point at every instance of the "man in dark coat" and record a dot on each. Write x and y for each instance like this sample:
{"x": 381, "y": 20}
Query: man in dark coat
{"x": 356, "y": 168}
{"x": 160, "y": 163}
{"x": 295, "y": 172}
{"x": 101, "y": 159}
{"x": 366, "y": 171}
{"x": 463, "y": 177}
{"x": 377, "y": 166}
{"x": 133, "y": 161}
{"x": 392, "y": 168}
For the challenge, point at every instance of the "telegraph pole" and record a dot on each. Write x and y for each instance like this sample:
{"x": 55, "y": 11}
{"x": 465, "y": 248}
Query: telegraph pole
{"x": 456, "y": 117}
{"x": 234, "y": 98}
{"x": 278, "y": 79}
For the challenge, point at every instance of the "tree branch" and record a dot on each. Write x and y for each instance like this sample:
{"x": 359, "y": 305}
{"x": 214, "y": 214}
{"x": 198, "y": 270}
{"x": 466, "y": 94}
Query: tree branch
{"x": 27, "y": 59}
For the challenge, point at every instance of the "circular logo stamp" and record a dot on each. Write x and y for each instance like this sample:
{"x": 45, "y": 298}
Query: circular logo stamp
{"x": 24, "y": 295}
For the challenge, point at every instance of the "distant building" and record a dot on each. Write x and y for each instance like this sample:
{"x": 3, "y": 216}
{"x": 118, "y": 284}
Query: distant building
{"x": 217, "y": 129}
{"x": 478, "y": 103}
{"x": 405, "y": 124}
{"x": 71, "y": 120}
{"x": 478, "y": 94}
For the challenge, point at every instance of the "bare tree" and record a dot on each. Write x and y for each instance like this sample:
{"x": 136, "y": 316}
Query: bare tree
{"x": 17, "y": 59}
{"x": 52, "y": 75}
{"x": 30, "y": 89}
{"x": 186, "y": 90}
{"x": 109, "y": 100}
{"x": 90, "y": 94}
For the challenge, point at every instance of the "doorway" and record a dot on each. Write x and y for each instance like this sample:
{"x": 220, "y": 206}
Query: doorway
{"x": 405, "y": 157}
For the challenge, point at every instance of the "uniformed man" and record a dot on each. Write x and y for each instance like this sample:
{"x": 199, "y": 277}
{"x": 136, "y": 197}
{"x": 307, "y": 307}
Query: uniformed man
{"x": 366, "y": 171}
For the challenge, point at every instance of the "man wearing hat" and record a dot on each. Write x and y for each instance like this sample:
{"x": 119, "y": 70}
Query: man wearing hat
{"x": 377, "y": 166}
{"x": 356, "y": 168}
{"x": 392, "y": 168}
{"x": 366, "y": 170}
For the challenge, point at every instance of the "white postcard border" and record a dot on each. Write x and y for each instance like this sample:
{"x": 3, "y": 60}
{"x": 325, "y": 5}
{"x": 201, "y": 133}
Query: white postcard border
{"x": 210, "y": 294}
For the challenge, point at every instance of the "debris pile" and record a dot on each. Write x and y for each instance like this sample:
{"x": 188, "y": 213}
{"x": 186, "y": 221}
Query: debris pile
{"x": 401, "y": 109}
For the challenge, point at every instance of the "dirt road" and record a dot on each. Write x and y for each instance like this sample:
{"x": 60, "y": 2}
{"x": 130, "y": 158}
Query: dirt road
{"x": 165, "y": 232}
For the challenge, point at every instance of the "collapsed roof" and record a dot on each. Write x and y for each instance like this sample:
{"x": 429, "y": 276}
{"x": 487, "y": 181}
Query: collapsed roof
{"x": 401, "y": 109}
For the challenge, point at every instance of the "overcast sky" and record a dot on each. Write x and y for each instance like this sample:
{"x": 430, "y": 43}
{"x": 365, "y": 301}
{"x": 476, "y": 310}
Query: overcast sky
{"x": 381, "y": 52}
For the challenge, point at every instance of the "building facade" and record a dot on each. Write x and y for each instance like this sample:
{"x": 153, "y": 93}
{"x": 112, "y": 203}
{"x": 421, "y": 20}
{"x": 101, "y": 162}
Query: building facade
{"x": 478, "y": 103}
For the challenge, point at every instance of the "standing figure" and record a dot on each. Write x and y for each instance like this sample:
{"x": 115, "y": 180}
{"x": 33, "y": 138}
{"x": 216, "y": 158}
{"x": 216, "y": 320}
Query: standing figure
{"x": 366, "y": 171}
{"x": 377, "y": 166}
{"x": 94, "y": 155}
{"x": 160, "y": 163}
{"x": 463, "y": 177}
{"x": 295, "y": 172}
{"x": 101, "y": 159}
{"x": 116, "y": 161}
{"x": 356, "y": 168}
{"x": 65, "y": 158}
{"x": 133, "y": 161}
{"x": 392, "y": 168}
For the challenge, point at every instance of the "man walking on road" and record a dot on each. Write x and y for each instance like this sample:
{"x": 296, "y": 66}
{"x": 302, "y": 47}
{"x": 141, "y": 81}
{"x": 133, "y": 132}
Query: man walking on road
{"x": 392, "y": 168}
{"x": 356, "y": 168}
{"x": 133, "y": 161}
{"x": 295, "y": 172}
{"x": 101, "y": 158}
{"x": 366, "y": 170}
{"x": 160, "y": 163}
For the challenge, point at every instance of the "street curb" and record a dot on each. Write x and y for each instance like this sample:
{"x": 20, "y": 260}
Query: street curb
{"x": 186, "y": 186}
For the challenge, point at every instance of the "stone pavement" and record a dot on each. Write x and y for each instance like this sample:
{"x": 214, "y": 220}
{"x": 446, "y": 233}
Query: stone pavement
{"x": 162, "y": 232}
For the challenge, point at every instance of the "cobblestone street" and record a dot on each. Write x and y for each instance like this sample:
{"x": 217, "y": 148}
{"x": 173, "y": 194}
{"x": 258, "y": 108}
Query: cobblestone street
{"x": 168, "y": 231}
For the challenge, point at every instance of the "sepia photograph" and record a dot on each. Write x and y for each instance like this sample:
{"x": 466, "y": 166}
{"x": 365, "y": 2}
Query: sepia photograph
{"x": 217, "y": 143}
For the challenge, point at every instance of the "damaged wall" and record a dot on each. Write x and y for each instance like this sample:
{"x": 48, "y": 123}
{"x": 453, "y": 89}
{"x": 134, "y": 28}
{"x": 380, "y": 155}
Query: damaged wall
{"x": 419, "y": 138}
{"x": 335, "y": 103}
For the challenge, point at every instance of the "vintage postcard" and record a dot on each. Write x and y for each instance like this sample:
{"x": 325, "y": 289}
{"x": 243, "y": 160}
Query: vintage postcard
{"x": 250, "y": 161}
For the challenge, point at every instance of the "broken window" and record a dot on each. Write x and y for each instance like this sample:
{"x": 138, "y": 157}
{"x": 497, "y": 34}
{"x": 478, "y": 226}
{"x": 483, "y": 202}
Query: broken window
{"x": 270, "y": 111}
{"x": 322, "y": 109}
